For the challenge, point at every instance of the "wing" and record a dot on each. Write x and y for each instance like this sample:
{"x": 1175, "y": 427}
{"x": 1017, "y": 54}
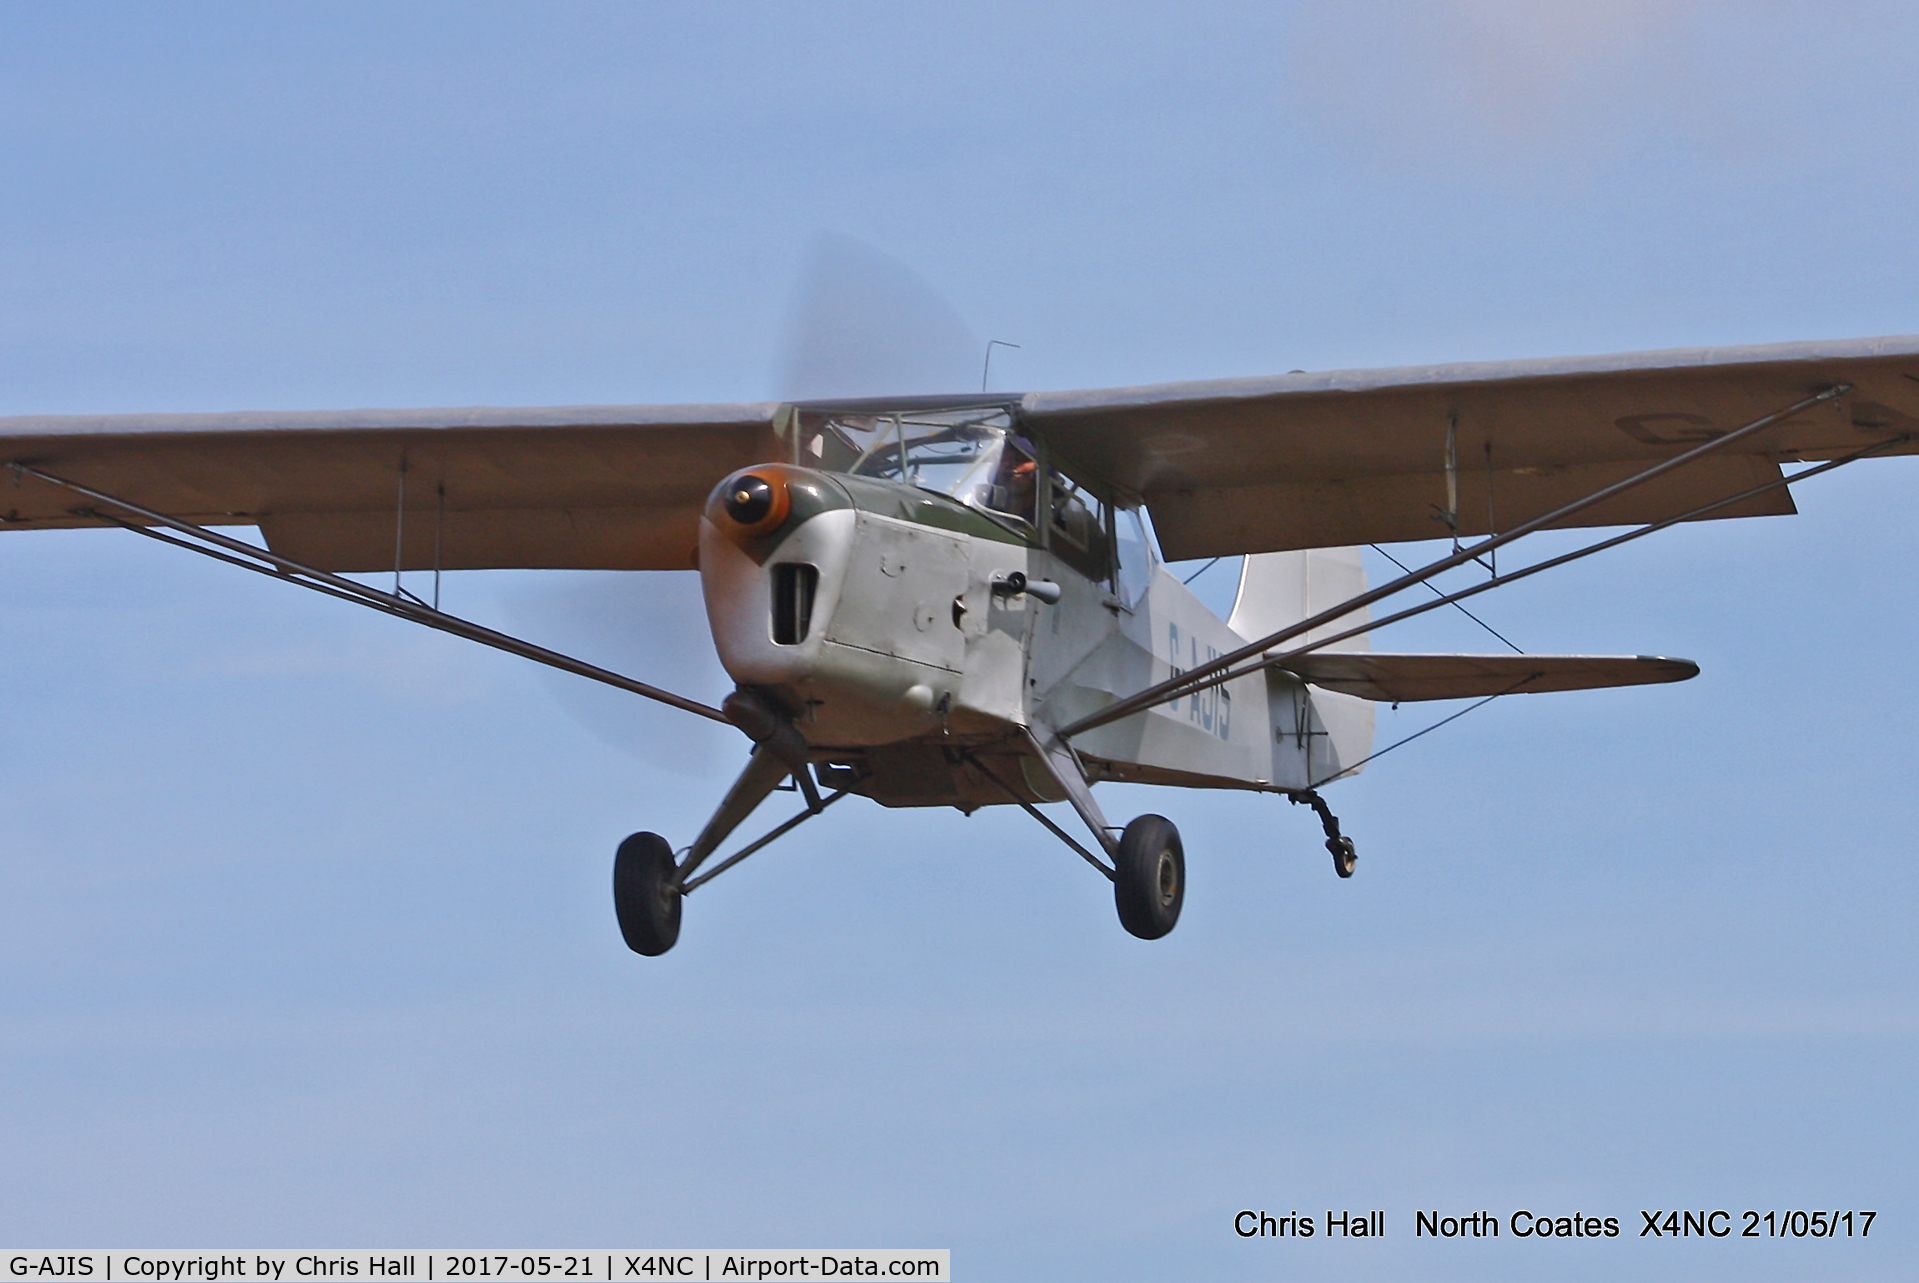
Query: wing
{"x": 1232, "y": 466}
{"x": 1406, "y": 678}
{"x": 1356, "y": 457}
{"x": 580, "y": 487}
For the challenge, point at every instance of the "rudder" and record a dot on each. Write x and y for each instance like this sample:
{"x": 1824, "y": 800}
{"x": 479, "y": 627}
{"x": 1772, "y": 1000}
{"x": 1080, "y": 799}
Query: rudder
{"x": 1281, "y": 588}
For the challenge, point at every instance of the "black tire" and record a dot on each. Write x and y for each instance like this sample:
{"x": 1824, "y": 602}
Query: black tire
{"x": 1150, "y": 884}
{"x": 1345, "y": 855}
{"x": 644, "y": 897}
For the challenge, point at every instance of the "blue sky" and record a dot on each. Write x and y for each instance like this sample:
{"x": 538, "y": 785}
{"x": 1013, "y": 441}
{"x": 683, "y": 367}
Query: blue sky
{"x": 304, "y": 924}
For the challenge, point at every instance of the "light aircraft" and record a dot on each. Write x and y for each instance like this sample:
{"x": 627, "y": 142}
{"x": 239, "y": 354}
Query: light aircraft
{"x": 961, "y": 601}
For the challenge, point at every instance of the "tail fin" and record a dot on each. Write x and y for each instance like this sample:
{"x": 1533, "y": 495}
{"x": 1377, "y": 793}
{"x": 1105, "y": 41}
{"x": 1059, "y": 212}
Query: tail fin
{"x": 1281, "y": 588}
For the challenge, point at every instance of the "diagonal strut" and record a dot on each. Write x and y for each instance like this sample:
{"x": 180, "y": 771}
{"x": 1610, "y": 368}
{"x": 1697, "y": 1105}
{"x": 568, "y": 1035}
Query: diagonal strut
{"x": 1283, "y": 658}
{"x": 232, "y": 551}
{"x": 1204, "y": 675}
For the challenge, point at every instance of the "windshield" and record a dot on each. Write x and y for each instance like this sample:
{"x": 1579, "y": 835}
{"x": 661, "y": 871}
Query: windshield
{"x": 972, "y": 455}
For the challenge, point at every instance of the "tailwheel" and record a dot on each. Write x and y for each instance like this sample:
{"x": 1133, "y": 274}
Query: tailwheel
{"x": 1345, "y": 854}
{"x": 645, "y": 898}
{"x": 1149, "y": 882}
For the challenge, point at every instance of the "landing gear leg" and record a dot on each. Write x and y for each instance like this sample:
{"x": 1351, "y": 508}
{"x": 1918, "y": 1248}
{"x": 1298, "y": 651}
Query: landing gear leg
{"x": 648, "y": 886}
{"x": 1149, "y": 864}
{"x": 1345, "y": 856}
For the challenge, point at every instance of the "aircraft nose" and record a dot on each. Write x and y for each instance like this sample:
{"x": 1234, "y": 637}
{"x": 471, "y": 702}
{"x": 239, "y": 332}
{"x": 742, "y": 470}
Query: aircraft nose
{"x": 752, "y": 502}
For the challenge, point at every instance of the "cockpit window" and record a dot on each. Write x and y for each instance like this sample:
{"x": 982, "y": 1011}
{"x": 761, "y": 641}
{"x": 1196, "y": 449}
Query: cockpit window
{"x": 1015, "y": 488}
{"x": 1076, "y": 528}
{"x": 972, "y": 455}
{"x": 977, "y": 455}
{"x": 1137, "y": 555}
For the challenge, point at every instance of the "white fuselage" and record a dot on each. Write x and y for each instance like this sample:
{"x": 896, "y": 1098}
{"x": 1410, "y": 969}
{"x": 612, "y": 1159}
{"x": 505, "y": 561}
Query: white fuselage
{"x": 908, "y": 643}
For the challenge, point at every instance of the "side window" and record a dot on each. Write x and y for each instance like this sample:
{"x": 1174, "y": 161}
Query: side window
{"x": 1076, "y": 528}
{"x": 1136, "y": 556}
{"x": 1015, "y": 483}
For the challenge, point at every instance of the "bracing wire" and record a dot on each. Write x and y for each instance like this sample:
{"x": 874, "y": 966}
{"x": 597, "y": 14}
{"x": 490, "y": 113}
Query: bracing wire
{"x": 1181, "y": 684}
{"x": 1477, "y": 704}
{"x": 1202, "y": 570}
{"x": 1455, "y": 605}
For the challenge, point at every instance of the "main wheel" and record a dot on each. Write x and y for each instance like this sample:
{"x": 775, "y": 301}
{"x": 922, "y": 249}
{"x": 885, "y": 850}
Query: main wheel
{"x": 644, "y": 897}
{"x": 1345, "y": 855}
{"x": 1150, "y": 881}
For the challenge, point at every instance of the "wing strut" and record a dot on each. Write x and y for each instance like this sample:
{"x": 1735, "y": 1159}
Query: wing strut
{"x": 1286, "y": 657}
{"x": 1228, "y": 666}
{"x": 252, "y": 557}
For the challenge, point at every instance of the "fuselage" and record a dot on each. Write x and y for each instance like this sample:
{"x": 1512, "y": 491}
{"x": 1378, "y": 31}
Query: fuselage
{"x": 883, "y": 618}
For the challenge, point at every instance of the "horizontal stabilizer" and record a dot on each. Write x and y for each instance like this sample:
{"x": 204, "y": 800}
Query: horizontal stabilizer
{"x": 1406, "y": 678}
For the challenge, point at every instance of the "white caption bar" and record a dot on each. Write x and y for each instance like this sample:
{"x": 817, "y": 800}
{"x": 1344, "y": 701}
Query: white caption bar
{"x": 415, "y": 1265}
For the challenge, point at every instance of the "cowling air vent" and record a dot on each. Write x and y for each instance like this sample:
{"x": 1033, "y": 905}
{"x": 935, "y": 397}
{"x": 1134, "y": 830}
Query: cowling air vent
{"x": 794, "y": 584}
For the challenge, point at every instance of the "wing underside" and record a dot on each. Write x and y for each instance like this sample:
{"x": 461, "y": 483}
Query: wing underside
{"x": 596, "y": 487}
{"x": 1353, "y": 457}
{"x": 1226, "y": 467}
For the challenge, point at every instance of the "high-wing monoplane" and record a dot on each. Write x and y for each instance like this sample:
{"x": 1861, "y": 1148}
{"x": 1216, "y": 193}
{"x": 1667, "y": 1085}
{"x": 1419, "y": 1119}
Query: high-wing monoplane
{"x": 960, "y": 601}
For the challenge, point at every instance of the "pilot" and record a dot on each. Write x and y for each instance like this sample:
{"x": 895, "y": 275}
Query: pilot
{"x": 1017, "y": 486}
